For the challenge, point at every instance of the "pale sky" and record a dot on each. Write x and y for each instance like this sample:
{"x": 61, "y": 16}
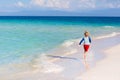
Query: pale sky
{"x": 60, "y": 7}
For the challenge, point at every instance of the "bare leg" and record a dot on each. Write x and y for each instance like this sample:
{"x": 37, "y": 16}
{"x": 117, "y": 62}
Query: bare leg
{"x": 85, "y": 61}
{"x": 84, "y": 55}
{"x": 86, "y": 64}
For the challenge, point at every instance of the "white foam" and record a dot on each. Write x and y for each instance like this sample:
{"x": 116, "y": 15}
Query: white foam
{"x": 45, "y": 66}
{"x": 68, "y": 43}
{"x": 107, "y": 36}
{"x": 109, "y": 26}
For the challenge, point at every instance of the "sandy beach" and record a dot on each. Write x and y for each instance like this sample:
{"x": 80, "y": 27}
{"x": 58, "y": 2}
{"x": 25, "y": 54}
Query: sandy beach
{"x": 106, "y": 69}
{"x": 101, "y": 64}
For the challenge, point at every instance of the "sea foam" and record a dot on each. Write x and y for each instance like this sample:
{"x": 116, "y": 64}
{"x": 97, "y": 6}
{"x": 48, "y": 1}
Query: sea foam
{"x": 107, "y": 36}
{"x": 68, "y": 43}
{"x": 42, "y": 64}
{"x": 109, "y": 27}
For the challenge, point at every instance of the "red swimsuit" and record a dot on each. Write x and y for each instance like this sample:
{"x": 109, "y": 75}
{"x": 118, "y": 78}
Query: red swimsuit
{"x": 86, "y": 47}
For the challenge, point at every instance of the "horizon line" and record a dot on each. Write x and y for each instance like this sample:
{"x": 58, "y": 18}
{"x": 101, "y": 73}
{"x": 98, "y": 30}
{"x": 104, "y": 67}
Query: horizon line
{"x": 51, "y": 16}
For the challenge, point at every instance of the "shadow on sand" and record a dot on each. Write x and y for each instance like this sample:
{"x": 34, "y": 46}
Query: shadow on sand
{"x": 62, "y": 57}
{"x": 85, "y": 63}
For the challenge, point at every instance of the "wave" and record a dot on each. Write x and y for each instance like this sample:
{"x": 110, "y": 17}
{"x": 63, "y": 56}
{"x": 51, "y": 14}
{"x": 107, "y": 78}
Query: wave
{"x": 68, "y": 43}
{"x": 44, "y": 65}
{"x": 109, "y": 27}
{"x": 108, "y": 35}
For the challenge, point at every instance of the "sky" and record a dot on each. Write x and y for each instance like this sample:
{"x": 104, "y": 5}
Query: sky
{"x": 60, "y": 7}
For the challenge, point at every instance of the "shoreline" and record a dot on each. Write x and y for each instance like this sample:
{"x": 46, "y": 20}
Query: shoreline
{"x": 67, "y": 64}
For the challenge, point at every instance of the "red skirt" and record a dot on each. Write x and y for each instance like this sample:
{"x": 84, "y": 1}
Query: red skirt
{"x": 86, "y": 47}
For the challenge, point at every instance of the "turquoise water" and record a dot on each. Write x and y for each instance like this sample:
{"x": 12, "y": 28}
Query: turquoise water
{"x": 24, "y": 37}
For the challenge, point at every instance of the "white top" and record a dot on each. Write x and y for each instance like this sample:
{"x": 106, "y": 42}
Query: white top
{"x": 86, "y": 41}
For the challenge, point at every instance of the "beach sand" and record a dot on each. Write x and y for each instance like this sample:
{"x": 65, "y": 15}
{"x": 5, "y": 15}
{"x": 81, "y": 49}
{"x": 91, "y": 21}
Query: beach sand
{"x": 102, "y": 63}
{"x": 106, "y": 69}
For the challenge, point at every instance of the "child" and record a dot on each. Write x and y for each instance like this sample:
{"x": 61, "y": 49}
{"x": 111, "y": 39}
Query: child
{"x": 87, "y": 42}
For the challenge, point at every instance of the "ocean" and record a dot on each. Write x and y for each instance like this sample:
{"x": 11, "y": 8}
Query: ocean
{"x": 23, "y": 37}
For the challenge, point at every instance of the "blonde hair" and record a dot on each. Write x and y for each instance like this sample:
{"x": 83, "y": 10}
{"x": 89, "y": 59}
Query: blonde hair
{"x": 86, "y": 33}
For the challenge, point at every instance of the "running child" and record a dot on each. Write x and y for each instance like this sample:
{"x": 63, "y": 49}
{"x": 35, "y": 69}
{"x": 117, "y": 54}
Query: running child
{"x": 86, "y": 40}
